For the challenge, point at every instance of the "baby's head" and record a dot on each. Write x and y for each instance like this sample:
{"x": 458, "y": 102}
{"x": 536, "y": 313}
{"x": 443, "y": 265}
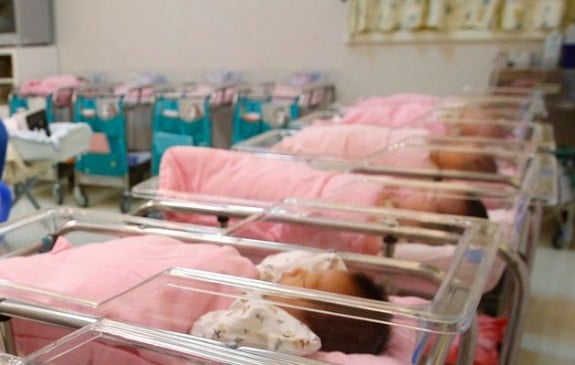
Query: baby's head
{"x": 468, "y": 206}
{"x": 455, "y": 204}
{"x": 486, "y": 129}
{"x": 339, "y": 333}
{"x": 462, "y": 161}
{"x": 490, "y": 112}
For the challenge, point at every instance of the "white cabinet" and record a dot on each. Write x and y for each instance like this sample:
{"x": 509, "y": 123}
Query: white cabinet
{"x": 19, "y": 64}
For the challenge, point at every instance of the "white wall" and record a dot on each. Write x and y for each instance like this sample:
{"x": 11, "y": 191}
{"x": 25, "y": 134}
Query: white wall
{"x": 264, "y": 38}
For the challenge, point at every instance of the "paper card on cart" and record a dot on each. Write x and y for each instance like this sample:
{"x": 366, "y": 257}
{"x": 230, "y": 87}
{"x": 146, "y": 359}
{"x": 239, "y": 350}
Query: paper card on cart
{"x": 37, "y": 120}
{"x": 99, "y": 143}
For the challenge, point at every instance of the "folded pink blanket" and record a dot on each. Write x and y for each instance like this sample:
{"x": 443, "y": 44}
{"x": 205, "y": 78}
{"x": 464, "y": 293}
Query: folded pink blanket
{"x": 49, "y": 85}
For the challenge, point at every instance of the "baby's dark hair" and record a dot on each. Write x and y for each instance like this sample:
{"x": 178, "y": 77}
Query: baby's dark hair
{"x": 348, "y": 335}
{"x": 476, "y": 208}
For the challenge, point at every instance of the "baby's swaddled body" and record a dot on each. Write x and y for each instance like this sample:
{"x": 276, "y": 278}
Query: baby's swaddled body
{"x": 250, "y": 322}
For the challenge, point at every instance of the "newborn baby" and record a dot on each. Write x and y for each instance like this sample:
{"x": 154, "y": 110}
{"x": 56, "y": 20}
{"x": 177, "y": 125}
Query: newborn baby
{"x": 250, "y": 322}
{"x": 370, "y": 143}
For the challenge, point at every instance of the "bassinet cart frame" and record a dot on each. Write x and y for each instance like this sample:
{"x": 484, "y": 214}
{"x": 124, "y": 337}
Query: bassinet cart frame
{"x": 114, "y": 167}
{"x": 250, "y": 99}
{"x": 56, "y": 111}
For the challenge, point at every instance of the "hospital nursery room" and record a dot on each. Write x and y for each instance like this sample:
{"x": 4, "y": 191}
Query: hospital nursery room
{"x": 288, "y": 182}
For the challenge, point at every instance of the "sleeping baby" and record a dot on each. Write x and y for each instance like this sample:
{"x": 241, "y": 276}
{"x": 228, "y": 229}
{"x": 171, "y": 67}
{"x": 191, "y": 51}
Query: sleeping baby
{"x": 251, "y": 322}
{"x": 360, "y": 143}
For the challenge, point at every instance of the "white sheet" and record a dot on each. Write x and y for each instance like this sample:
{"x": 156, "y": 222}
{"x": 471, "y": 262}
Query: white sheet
{"x": 66, "y": 140}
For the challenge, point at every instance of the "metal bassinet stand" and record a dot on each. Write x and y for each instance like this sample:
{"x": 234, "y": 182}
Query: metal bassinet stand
{"x": 120, "y": 152}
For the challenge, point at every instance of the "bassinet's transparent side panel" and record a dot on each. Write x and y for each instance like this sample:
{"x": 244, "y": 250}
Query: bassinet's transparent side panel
{"x": 325, "y": 116}
{"x": 29, "y": 234}
{"x": 232, "y": 309}
{"x": 487, "y": 108}
{"x": 84, "y": 227}
{"x": 38, "y": 232}
{"x": 457, "y": 288}
{"x": 266, "y": 141}
{"x": 502, "y": 203}
{"x": 108, "y": 342}
{"x": 186, "y": 207}
{"x": 380, "y": 232}
{"x": 498, "y": 202}
{"x": 147, "y": 189}
{"x": 443, "y": 157}
{"x": 6, "y": 359}
{"x": 534, "y": 95}
{"x": 417, "y": 154}
{"x": 529, "y": 135}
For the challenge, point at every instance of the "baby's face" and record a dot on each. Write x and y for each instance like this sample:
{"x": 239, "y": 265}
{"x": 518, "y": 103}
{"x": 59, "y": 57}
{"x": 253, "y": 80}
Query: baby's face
{"x": 488, "y": 130}
{"x": 433, "y": 202}
{"x": 450, "y": 160}
{"x": 333, "y": 281}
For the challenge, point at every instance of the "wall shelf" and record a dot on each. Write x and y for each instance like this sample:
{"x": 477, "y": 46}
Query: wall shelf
{"x": 429, "y": 36}
{"x": 20, "y": 64}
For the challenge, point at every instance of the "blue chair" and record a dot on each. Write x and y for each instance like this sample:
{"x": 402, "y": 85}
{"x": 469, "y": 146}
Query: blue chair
{"x": 5, "y": 194}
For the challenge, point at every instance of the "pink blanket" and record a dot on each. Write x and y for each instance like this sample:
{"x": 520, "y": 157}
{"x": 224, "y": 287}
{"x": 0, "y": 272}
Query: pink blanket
{"x": 49, "y": 85}
{"x": 85, "y": 272}
{"x": 230, "y": 174}
{"x": 396, "y": 116}
{"x": 398, "y": 99}
{"x": 347, "y": 142}
{"x": 99, "y": 271}
{"x": 397, "y": 111}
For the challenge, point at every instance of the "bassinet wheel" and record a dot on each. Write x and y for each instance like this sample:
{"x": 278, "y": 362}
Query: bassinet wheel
{"x": 125, "y": 203}
{"x": 80, "y": 197}
{"x": 58, "y": 194}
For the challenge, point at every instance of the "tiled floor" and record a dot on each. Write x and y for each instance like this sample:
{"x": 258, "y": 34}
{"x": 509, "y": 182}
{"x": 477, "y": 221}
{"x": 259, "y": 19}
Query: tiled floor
{"x": 549, "y": 336}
